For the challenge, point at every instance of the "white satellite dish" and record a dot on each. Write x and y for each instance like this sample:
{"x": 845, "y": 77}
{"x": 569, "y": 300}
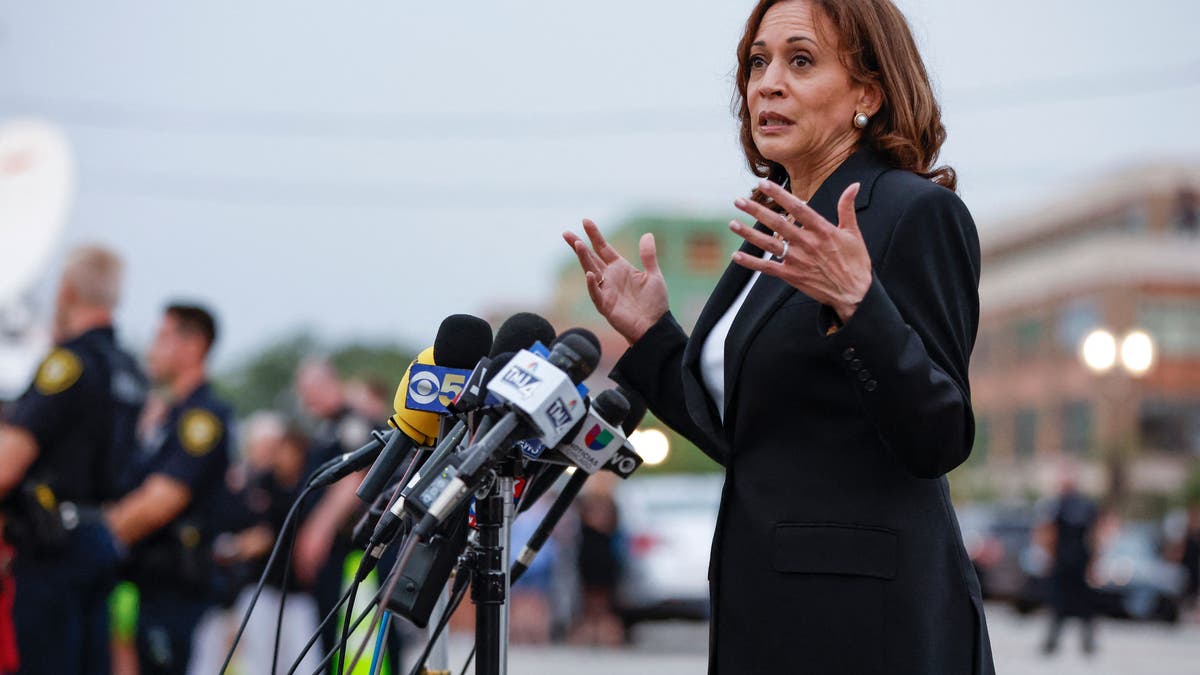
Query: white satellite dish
{"x": 37, "y": 183}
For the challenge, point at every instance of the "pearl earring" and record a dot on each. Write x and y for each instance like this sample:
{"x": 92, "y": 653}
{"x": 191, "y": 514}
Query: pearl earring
{"x": 860, "y": 120}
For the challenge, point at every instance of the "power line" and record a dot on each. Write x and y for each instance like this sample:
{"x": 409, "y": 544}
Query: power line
{"x": 408, "y": 126}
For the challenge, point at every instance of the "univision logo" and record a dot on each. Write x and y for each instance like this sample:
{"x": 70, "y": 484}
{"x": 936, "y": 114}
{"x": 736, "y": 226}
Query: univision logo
{"x": 598, "y": 438}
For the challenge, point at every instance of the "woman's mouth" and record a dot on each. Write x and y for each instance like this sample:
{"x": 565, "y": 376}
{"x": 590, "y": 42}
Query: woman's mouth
{"x": 773, "y": 122}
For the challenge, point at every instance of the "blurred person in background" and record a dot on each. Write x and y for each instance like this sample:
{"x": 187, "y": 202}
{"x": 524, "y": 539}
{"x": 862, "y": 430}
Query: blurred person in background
{"x": 601, "y": 552}
{"x": 828, "y": 370}
{"x": 167, "y": 520}
{"x": 65, "y": 443}
{"x": 1068, "y": 531}
{"x": 323, "y": 540}
{"x": 282, "y": 449}
{"x": 370, "y": 397}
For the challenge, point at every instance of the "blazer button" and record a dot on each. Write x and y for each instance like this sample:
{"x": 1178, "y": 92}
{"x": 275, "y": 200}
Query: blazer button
{"x": 856, "y": 364}
{"x": 870, "y": 385}
{"x": 864, "y": 375}
{"x": 848, "y": 354}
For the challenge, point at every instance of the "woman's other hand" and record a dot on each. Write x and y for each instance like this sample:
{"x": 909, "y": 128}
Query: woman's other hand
{"x": 827, "y": 262}
{"x": 631, "y": 300}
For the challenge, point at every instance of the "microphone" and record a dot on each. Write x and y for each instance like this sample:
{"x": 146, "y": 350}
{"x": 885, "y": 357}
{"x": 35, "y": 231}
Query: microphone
{"x": 347, "y": 463}
{"x": 461, "y": 340}
{"x": 612, "y": 409}
{"x": 517, "y": 332}
{"x": 540, "y": 398}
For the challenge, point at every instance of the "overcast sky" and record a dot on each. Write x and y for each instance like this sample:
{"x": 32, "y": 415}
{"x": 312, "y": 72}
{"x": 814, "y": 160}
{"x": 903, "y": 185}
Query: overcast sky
{"x": 366, "y": 168}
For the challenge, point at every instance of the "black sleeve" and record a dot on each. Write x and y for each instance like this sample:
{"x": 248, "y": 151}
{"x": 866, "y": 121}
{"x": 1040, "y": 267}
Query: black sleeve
{"x": 653, "y": 367}
{"x": 908, "y": 344}
{"x": 56, "y": 399}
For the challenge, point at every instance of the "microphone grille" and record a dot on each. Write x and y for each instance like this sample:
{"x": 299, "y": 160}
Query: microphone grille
{"x": 462, "y": 339}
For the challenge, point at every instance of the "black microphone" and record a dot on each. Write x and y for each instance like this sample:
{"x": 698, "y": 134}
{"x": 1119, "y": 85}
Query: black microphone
{"x": 347, "y": 463}
{"x": 520, "y": 331}
{"x": 461, "y": 340}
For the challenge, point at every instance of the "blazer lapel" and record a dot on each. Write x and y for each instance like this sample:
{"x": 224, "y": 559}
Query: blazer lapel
{"x": 731, "y": 283}
{"x": 768, "y": 292}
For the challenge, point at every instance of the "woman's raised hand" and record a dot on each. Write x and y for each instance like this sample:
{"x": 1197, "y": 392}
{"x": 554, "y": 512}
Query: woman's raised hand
{"x": 632, "y": 300}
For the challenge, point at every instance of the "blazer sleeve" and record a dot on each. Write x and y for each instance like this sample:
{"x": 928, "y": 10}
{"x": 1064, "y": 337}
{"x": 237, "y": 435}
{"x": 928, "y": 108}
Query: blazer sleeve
{"x": 907, "y": 346}
{"x": 653, "y": 367}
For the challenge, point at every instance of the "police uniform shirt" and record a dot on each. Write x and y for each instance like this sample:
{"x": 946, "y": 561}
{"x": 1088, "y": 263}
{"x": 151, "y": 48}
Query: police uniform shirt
{"x": 76, "y": 399}
{"x": 192, "y": 447}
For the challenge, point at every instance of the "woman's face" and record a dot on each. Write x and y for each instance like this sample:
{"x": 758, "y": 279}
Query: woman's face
{"x": 802, "y": 100}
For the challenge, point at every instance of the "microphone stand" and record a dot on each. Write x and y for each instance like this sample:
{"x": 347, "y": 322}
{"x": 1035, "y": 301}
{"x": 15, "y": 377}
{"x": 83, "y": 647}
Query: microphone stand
{"x": 490, "y": 587}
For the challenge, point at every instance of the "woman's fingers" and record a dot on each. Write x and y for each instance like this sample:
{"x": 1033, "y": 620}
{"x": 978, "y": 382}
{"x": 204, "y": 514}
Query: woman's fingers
{"x": 607, "y": 253}
{"x": 648, "y": 253}
{"x": 847, "y": 218}
{"x": 760, "y": 239}
{"x": 768, "y": 267}
{"x": 587, "y": 260}
{"x": 772, "y": 219}
{"x": 803, "y": 213}
{"x": 593, "y": 287}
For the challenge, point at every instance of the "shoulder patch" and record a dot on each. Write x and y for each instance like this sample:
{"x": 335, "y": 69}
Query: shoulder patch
{"x": 58, "y": 372}
{"x": 199, "y": 430}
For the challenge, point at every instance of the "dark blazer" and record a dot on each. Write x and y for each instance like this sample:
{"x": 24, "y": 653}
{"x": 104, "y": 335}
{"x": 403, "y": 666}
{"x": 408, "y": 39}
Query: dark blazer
{"x": 837, "y": 551}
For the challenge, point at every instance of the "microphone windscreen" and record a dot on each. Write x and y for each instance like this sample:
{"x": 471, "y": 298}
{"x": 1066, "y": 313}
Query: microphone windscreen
{"x": 520, "y": 331}
{"x": 419, "y": 425}
{"x": 461, "y": 341}
{"x": 611, "y": 406}
{"x": 586, "y": 335}
{"x": 637, "y": 410}
{"x": 588, "y": 356}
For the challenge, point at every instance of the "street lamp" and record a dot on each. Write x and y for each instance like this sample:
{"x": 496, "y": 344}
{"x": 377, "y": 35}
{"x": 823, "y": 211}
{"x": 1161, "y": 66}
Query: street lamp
{"x": 651, "y": 444}
{"x": 1100, "y": 352}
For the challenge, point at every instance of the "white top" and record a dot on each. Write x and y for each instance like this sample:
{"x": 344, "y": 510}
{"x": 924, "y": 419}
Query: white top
{"x": 712, "y": 353}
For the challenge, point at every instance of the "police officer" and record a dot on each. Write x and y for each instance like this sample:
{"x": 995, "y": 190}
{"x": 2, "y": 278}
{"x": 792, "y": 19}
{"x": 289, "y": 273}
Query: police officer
{"x": 180, "y": 478}
{"x": 61, "y": 450}
{"x": 1069, "y": 527}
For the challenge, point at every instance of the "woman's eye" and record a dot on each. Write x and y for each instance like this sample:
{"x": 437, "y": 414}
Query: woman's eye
{"x": 757, "y": 62}
{"x": 801, "y": 60}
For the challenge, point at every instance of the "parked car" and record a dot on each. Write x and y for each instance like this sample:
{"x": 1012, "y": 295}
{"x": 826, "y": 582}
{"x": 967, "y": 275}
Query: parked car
{"x": 1132, "y": 580}
{"x": 995, "y": 536}
{"x": 668, "y": 522}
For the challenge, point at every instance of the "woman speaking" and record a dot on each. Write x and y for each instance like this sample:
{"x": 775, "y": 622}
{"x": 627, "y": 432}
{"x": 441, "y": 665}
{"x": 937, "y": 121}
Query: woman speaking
{"x": 828, "y": 370}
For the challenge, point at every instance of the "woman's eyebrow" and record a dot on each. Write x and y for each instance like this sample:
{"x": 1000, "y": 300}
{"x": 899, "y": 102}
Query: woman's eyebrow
{"x": 794, "y": 38}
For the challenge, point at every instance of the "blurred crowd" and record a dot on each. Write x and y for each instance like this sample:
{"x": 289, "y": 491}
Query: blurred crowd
{"x": 173, "y": 509}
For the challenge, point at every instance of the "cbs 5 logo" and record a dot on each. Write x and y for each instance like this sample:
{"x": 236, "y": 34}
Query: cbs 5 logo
{"x": 431, "y": 387}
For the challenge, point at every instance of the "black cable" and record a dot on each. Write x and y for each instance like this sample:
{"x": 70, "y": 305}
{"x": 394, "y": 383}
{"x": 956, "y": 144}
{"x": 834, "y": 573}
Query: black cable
{"x": 312, "y": 640}
{"x": 262, "y": 579}
{"x": 410, "y": 545}
{"x": 366, "y": 612}
{"x": 283, "y": 593}
{"x": 346, "y": 627}
{"x": 467, "y": 664}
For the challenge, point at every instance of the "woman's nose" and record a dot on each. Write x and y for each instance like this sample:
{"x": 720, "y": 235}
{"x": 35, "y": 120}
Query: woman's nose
{"x": 771, "y": 84}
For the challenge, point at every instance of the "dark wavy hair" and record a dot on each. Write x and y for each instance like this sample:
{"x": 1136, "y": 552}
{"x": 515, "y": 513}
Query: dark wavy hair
{"x": 876, "y": 45}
